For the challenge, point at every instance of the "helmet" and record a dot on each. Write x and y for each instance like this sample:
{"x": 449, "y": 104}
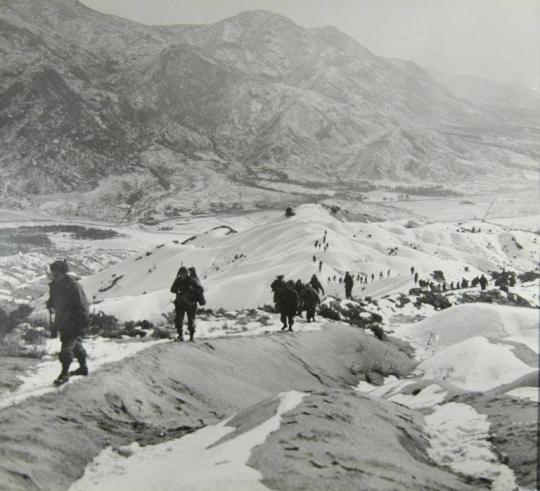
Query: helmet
{"x": 60, "y": 266}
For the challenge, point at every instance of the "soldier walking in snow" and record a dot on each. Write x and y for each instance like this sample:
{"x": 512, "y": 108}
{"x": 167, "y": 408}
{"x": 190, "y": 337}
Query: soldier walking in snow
{"x": 464, "y": 283}
{"x": 320, "y": 266}
{"x": 310, "y": 299}
{"x": 483, "y": 282}
{"x": 276, "y": 286}
{"x": 416, "y": 277}
{"x": 349, "y": 283}
{"x": 187, "y": 294}
{"x": 71, "y": 319}
{"x": 288, "y": 305}
{"x": 316, "y": 284}
{"x": 412, "y": 269}
{"x": 299, "y": 287}
{"x": 372, "y": 277}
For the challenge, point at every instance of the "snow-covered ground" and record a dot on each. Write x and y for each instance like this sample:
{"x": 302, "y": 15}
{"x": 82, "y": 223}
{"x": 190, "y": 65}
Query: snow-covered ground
{"x": 465, "y": 347}
{"x": 203, "y": 460}
{"x": 237, "y": 268}
{"x": 100, "y": 352}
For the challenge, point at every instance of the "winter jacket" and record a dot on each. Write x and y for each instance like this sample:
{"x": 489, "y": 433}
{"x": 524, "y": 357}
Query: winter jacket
{"x": 186, "y": 291}
{"x": 70, "y": 305}
{"x": 314, "y": 282}
{"x": 349, "y": 282}
{"x": 310, "y": 297}
{"x": 276, "y": 286}
{"x": 288, "y": 301}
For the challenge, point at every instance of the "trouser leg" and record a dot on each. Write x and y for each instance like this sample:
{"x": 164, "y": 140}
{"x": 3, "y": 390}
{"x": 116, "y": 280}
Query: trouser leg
{"x": 291, "y": 320}
{"x": 283, "y": 320}
{"x": 191, "y": 314}
{"x": 66, "y": 352}
{"x": 79, "y": 352}
{"x": 179, "y": 320}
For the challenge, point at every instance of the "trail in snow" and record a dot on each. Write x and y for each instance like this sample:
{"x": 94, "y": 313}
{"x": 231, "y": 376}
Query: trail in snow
{"x": 459, "y": 439}
{"x": 40, "y": 379}
{"x": 196, "y": 461}
{"x": 101, "y": 351}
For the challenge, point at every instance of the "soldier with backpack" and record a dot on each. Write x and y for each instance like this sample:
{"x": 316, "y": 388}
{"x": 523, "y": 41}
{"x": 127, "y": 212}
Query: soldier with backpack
{"x": 288, "y": 305}
{"x": 71, "y": 319}
{"x": 316, "y": 284}
{"x": 188, "y": 294}
{"x": 310, "y": 299}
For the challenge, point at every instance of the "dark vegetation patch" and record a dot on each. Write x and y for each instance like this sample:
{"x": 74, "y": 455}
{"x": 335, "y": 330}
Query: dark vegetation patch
{"x": 31, "y": 238}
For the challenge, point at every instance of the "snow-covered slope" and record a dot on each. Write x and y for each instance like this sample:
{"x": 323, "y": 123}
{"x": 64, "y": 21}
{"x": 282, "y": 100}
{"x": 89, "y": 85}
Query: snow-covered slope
{"x": 237, "y": 268}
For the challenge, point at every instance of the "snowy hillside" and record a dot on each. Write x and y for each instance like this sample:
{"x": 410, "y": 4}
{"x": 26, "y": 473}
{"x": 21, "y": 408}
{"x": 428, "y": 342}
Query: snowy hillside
{"x": 237, "y": 268}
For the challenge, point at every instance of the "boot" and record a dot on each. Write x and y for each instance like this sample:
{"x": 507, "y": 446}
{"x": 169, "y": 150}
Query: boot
{"x": 191, "y": 335}
{"x": 62, "y": 379}
{"x": 284, "y": 327}
{"x": 179, "y": 338}
{"x": 82, "y": 370}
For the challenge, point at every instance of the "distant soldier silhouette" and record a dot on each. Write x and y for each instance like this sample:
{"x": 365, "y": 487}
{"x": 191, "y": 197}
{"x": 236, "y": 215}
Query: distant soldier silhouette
{"x": 187, "y": 291}
{"x": 416, "y": 277}
{"x": 71, "y": 319}
{"x": 372, "y": 277}
{"x": 388, "y": 274}
{"x": 288, "y": 305}
{"x": 464, "y": 283}
{"x": 381, "y": 275}
{"x": 349, "y": 283}
{"x": 310, "y": 299}
{"x": 320, "y": 266}
{"x": 299, "y": 287}
{"x": 483, "y": 282}
{"x": 412, "y": 269}
{"x": 316, "y": 284}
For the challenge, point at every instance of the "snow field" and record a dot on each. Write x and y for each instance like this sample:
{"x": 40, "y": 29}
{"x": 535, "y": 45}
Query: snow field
{"x": 237, "y": 269}
{"x": 198, "y": 461}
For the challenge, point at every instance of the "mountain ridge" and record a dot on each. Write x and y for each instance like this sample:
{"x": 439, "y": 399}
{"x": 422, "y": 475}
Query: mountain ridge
{"x": 263, "y": 95}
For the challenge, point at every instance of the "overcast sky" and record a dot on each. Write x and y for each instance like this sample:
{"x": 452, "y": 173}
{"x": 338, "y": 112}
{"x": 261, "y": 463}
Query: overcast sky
{"x": 495, "y": 39}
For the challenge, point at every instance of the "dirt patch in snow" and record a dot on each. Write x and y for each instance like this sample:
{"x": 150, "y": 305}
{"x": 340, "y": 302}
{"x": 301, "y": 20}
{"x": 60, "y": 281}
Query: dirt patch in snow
{"x": 170, "y": 390}
{"x": 339, "y": 439}
{"x": 513, "y": 431}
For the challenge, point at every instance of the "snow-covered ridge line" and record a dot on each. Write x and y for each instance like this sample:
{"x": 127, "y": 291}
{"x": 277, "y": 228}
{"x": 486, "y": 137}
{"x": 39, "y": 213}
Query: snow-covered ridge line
{"x": 200, "y": 460}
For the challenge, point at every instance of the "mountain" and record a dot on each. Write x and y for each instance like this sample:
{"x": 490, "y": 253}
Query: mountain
{"x": 106, "y": 117}
{"x": 516, "y": 101}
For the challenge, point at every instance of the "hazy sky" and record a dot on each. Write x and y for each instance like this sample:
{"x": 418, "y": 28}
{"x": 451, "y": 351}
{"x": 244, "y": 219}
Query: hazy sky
{"x": 495, "y": 39}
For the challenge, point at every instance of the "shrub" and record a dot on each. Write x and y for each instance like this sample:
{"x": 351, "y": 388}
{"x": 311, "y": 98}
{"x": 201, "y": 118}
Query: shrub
{"x": 329, "y": 313}
{"x": 378, "y": 331}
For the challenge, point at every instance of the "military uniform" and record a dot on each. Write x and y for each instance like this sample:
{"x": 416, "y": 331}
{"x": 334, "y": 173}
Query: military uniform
{"x": 70, "y": 305}
{"x": 288, "y": 306}
{"x": 310, "y": 299}
{"x": 187, "y": 292}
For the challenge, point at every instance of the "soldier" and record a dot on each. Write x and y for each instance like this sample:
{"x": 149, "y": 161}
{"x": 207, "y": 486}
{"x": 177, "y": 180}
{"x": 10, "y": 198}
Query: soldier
{"x": 372, "y": 277}
{"x": 276, "y": 286}
{"x": 70, "y": 305}
{"x": 416, "y": 277}
{"x": 186, "y": 290}
{"x": 320, "y": 266}
{"x": 288, "y": 305}
{"x": 464, "y": 283}
{"x": 315, "y": 283}
{"x": 483, "y": 282}
{"x": 299, "y": 287}
{"x": 310, "y": 299}
{"x": 200, "y": 290}
{"x": 349, "y": 283}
